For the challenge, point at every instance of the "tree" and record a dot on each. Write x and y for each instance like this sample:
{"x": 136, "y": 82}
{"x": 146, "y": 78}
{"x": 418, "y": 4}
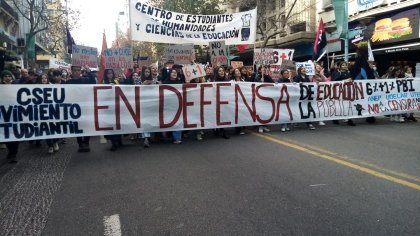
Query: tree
{"x": 40, "y": 19}
{"x": 271, "y": 25}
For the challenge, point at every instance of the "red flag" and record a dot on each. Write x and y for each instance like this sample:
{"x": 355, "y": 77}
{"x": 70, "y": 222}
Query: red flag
{"x": 102, "y": 62}
{"x": 320, "y": 40}
{"x": 242, "y": 47}
{"x": 70, "y": 41}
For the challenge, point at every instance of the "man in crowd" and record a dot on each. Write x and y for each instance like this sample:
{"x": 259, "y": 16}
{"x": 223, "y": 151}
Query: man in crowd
{"x": 77, "y": 78}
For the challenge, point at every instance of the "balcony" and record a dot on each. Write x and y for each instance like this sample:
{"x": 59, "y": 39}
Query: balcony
{"x": 5, "y": 7}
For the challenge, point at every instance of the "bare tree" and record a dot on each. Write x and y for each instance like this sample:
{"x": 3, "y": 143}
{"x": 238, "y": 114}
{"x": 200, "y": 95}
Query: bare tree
{"x": 271, "y": 25}
{"x": 39, "y": 17}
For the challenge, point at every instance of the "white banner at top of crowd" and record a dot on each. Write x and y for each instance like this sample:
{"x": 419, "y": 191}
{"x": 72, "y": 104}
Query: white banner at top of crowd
{"x": 152, "y": 24}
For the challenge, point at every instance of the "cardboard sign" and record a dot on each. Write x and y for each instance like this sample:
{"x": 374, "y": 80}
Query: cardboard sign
{"x": 193, "y": 71}
{"x": 143, "y": 61}
{"x": 282, "y": 55}
{"x": 118, "y": 58}
{"x": 180, "y": 54}
{"x": 218, "y": 53}
{"x": 83, "y": 56}
{"x": 309, "y": 67}
{"x": 236, "y": 64}
{"x": 263, "y": 56}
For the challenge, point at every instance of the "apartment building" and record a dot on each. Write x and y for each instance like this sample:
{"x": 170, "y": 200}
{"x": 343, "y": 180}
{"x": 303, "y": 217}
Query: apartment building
{"x": 296, "y": 32}
{"x": 392, "y": 27}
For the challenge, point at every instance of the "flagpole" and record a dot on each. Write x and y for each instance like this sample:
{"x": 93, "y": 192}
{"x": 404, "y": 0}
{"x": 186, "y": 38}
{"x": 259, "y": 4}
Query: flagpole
{"x": 328, "y": 60}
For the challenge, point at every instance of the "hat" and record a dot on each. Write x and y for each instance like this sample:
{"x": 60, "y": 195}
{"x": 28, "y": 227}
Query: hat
{"x": 176, "y": 66}
{"x": 6, "y": 72}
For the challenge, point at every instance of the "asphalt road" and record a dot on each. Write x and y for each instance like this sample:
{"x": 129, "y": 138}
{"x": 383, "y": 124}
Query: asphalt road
{"x": 336, "y": 180}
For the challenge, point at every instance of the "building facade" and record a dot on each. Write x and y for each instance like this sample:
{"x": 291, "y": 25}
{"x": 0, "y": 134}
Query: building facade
{"x": 391, "y": 26}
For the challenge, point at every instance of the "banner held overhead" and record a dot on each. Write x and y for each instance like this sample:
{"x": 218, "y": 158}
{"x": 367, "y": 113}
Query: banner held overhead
{"x": 152, "y": 24}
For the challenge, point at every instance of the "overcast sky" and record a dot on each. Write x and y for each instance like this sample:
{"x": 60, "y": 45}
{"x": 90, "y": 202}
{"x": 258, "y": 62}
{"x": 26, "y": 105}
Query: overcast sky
{"x": 95, "y": 17}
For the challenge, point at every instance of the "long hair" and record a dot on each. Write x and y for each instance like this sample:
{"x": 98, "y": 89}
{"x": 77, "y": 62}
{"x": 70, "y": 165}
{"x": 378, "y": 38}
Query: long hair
{"x": 105, "y": 79}
{"x": 216, "y": 76}
{"x": 143, "y": 76}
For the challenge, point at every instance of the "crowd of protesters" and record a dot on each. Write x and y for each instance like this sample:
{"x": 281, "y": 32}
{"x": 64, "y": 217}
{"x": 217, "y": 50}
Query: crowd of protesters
{"x": 148, "y": 75}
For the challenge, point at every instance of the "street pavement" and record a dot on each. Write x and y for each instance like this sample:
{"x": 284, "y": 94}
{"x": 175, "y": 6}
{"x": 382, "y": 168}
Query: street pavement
{"x": 335, "y": 180}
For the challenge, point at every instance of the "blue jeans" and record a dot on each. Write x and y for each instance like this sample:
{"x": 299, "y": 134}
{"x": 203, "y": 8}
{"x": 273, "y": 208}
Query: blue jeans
{"x": 177, "y": 135}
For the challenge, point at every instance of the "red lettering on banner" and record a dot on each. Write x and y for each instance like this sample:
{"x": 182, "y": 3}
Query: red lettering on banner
{"x": 284, "y": 92}
{"x": 203, "y": 102}
{"x": 218, "y": 103}
{"x": 266, "y": 99}
{"x": 96, "y": 107}
{"x": 185, "y": 104}
{"x": 252, "y": 111}
{"x": 162, "y": 89}
{"x": 134, "y": 114}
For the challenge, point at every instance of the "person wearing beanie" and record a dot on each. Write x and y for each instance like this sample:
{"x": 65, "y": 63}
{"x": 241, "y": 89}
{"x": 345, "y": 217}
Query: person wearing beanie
{"x": 6, "y": 77}
{"x": 12, "y": 147}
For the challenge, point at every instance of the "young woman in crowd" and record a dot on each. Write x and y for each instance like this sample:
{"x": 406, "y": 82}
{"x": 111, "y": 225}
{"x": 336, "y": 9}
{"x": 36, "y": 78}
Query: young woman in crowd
{"x": 285, "y": 78}
{"x": 147, "y": 78}
{"x": 220, "y": 76}
{"x": 320, "y": 77}
{"x": 263, "y": 76}
{"x": 302, "y": 77}
{"x": 397, "y": 73}
{"x": 342, "y": 73}
{"x": 175, "y": 78}
{"x": 116, "y": 139}
{"x": 237, "y": 76}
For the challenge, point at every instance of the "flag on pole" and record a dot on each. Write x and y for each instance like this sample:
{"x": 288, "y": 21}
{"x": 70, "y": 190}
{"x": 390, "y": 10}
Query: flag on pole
{"x": 370, "y": 53}
{"x": 320, "y": 40}
{"x": 102, "y": 62}
{"x": 70, "y": 41}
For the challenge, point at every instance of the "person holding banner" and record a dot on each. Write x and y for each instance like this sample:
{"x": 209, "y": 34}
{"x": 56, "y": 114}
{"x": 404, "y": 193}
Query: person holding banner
{"x": 12, "y": 147}
{"x": 147, "y": 78}
{"x": 116, "y": 139}
{"x": 342, "y": 74}
{"x": 285, "y": 78}
{"x": 262, "y": 76}
{"x": 302, "y": 77}
{"x": 320, "y": 77}
{"x": 174, "y": 78}
{"x": 237, "y": 76}
{"x": 219, "y": 75}
{"x": 245, "y": 74}
{"x": 76, "y": 78}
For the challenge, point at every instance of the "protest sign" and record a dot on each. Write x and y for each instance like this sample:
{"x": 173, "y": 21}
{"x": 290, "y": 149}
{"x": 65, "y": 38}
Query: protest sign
{"x": 236, "y": 64}
{"x": 263, "y": 56}
{"x": 218, "y": 53}
{"x": 29, "y": 112}
{"x": 280, "y": 55}
{"x": 143, "y": 61}
{"x": 309, "y": 67}
{"x": 180, "y": 54}
{"x": 193, "y": 71}
{"x": 84, "y": 56}
{"x": 118, "y": 58}
{"x": 152, "y": 24}
{"x": 59, "y": 64}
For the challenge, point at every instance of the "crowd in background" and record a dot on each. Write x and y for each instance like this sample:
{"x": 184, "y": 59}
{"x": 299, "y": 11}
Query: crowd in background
{"x": 148, "y": 75}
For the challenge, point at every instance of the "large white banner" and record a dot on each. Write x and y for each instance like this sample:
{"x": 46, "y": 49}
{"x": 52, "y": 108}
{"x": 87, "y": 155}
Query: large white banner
{"x": 59, "y": 64}
{"x": 152, "y": 24}
{"x": 51, "y": 111}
